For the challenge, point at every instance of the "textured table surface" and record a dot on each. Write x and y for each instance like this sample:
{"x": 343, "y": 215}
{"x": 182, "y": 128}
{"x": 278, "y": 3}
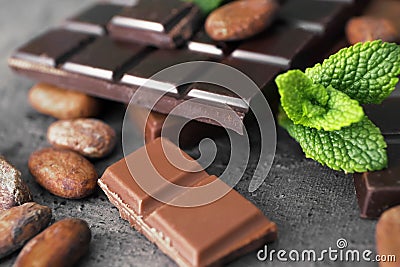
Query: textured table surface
{"x": 312, "y": 205}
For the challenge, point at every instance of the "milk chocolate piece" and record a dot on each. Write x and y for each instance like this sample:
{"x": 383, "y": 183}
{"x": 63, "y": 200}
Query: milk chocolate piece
{"x": 94, "y": 19}
{"x": 207, "y": 235}
{"x": 167, "y": 24}
{"x": 379, "y": 190}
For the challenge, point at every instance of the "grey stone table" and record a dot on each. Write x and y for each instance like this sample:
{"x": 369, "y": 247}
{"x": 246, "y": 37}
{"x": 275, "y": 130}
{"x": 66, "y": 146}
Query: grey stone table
{"x": 312, "y": 205}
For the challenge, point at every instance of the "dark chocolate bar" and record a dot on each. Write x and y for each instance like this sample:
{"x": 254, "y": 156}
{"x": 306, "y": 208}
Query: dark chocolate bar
{"x": 379, "y": 190}
{"x": 206, "y": 235}
{"x": 101, "y": 66}
{"x": 167, "y": 25}
{"x": 315, "y": 16}
{"x": 94, "y": 20}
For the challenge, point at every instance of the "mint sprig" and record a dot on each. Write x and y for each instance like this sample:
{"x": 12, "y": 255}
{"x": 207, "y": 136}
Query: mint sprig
{"x": 359, "y": 147}
{"x": 315, "y": 106}
{"x": 206, "y": 5}
{"x": 366, "y": 72}
{"x": 320, "y": 109}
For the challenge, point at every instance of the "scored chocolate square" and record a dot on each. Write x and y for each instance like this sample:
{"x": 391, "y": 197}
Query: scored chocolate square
{"x": 281, "y": 46}
{"x": 97, "y": 60}
{"x": 160, "y": 60}
{"x": 93, "y": 20}
{"x": 201, "y": 235}
{"x": 316, "y": 16}
{"x": 149, "y": 22}
{"x": 53, "y": 47}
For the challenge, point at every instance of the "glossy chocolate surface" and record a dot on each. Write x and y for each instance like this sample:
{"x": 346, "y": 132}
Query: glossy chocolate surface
{"x": 97, "y": 59}
{"x": 53, "y": 47}
{"x": 316, "y": 16}
{"x": 162, "y": 25}
{"x": 113, "y": 70}
{"x": 94, "y": 19}
{"x": 183, "y": 233}
{"x": 280, "y": 46}
{"x": 386, "y": 115}
{"x": 380, "y": 190}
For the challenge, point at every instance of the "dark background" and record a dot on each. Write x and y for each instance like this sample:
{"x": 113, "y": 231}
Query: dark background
{"x": 312, "y": 205}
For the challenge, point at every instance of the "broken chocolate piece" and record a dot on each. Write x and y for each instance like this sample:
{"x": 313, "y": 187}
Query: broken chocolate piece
{"x": 379, "y": 190}
{"x": 183, "y": 233}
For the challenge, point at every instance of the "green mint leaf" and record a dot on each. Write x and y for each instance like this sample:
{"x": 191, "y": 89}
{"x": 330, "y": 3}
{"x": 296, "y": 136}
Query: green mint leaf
{"x": 357, "y": 148}
{"x": 367, "y": 72}
{"x": 313, "y": 105}
{"x": 206, "y": 5}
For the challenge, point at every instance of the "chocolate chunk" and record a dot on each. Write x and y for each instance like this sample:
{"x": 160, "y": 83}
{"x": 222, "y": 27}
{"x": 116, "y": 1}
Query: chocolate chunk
{"x": 379, "y": 190}
{"x": 159, "y": 60}
{"x": 279, "y": 46}
{"x": 94, "y": 19}
{"x": 53, "y": 47}
{"x": 163, "y": 25}
{"x": 385, "y": 115}
{"x": 217, "y": 94}
{"x": 202, "y": 43}
{"x": 183, "y": 233}
{"x": 240, "y": 19}
{"x": 232, "y": 236}
{"x": 96, "y": 62}
{"x": 262, "y": 74}
{"x": 314, "y": 16}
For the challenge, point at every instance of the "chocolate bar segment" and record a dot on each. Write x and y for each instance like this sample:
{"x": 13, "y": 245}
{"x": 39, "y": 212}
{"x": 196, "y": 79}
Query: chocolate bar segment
{"x": 214, "y": 233}
{"x": 279, "y": 46}
{"x": 107, "y": 69}
{"x": 260, "y": 73}
{"x": 53, "y": 47}
{"x": 202, "y": 43}
{"x": 315, "y": 16}
{"x": 207, "y": 235}
{"x": 167, "y": 24}
{"x": 379, "y": 190}
{"x": 104, "y": 58}
{"x": 159, "y": 60}
{"x": 119, "y": 179}
{"x": 93, "y": 20}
